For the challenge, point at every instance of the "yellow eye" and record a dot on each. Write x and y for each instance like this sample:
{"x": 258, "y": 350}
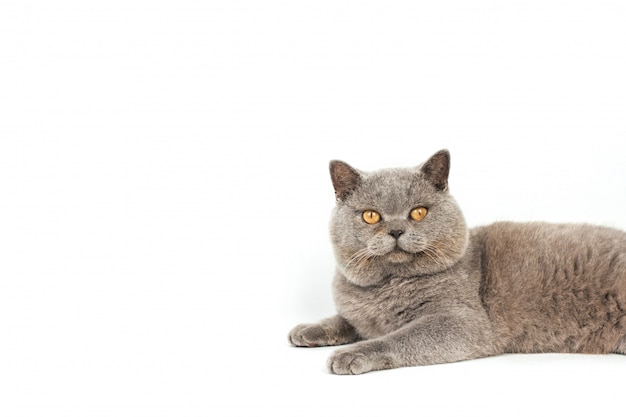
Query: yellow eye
{"x": 371, "y": 217}
{"x": 418, "y": 213}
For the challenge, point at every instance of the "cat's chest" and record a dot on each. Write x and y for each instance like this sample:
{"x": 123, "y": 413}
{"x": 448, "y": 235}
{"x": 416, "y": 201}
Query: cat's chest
{"x": 375, "y": 311}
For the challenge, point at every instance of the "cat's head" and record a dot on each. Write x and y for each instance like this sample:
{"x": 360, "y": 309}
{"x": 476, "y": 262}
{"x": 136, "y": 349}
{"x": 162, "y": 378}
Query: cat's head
{"x": 395, "y": 222}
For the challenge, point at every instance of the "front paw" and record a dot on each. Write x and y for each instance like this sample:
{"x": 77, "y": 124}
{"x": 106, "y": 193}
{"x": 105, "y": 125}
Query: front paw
{"x": 350, "y": 362}
{"x": 308, "y": 335}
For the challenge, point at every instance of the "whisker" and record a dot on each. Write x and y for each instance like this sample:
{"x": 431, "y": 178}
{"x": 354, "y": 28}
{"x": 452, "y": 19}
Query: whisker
{"x": 359, "y": 258}
{"x": 437, "y": 257}
{"x": 432, "y": 256}
{"x": 354, "y": 257}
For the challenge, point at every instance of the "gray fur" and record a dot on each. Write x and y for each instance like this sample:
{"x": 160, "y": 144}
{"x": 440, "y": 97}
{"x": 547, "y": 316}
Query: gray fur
{"x": 442, "y": 293}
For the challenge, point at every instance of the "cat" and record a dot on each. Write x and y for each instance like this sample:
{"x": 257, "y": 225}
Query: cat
{"x": 415, "y": 286}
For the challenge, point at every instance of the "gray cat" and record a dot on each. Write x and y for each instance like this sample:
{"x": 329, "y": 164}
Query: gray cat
{"x": 414, "y": 286}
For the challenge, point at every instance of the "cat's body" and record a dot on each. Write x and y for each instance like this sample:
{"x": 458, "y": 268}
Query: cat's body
{"x": 414, "y": 286}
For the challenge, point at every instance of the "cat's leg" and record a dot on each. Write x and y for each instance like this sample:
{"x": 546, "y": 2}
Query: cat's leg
{"x": 430, "y": 340}
{"x": 332, "y": 331}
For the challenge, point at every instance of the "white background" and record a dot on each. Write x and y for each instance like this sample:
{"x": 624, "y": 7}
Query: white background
{"x": 164, "y": 193}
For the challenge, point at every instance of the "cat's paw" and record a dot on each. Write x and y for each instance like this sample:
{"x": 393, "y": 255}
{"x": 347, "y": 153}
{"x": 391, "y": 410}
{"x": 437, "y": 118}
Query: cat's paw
{"x": 308, "y": 335}
{"x": 350, "y": 362}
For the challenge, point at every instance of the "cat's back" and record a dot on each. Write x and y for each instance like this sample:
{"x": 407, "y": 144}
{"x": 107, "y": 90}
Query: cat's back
{"x": 553, "y": 287}
{"x": 585, "y": 249}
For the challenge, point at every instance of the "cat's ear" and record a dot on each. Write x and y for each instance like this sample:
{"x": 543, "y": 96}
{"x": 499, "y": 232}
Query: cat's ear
{"x": 437, "y": 169}
{"x": 345, "y": 178}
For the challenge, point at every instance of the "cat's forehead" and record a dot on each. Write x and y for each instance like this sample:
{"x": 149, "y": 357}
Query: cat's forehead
{"x": 393, "y": 177}
{"x": 393, "y": 190}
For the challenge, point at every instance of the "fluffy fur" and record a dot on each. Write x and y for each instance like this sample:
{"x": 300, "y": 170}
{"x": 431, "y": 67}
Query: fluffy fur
{"x": 432, "y": 291}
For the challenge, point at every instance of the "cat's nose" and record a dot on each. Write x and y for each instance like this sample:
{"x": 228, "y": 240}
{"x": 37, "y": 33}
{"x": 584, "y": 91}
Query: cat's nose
{"x": 396, "y": 233}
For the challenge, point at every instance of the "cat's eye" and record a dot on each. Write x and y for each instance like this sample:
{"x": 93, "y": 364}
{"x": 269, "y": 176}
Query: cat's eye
{"x": 371, "y": 217}
{"x": 418, "y": 213}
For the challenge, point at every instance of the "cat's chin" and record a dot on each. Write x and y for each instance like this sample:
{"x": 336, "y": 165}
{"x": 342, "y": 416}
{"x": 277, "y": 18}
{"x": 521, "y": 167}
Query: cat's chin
{"x": 398, "y": 256}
